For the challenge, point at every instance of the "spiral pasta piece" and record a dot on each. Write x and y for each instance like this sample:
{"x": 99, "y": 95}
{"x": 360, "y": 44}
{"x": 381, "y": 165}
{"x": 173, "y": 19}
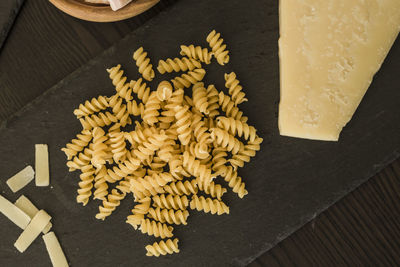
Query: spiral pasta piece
{"x": 170, "y": 202}
{"x": 177, "y": 65}
{"x": 198, "y": 150}
{"x": 235, "y": 89}
{"x": 246, "y": 153}
{"x": 226, "y": 140}
{"x": 77, "y": 144}
{"x": 166, "y": 150}
{"x": 235, "y": 182}
{"x": 218, "y": 47}
{"x": 219, "y": 160}
{"x": 195, "y": 168}
{"x": 228, "y": 106}
{"x": 134, "y": 108}
{"x": 197, "y": 52}
{"x": 200, "y": 131}
{"x": 128, "y": 167}
{"x": 182, "y": 188}
{"x": 99, "y": 120}
{"x": 140, "y": 89}
{"x": 164, "y": 90}
{"x": 112, "y": 201}
{"x": 100, "y": 184}
{"x": 157, "y": 229}
{"x": 169, "y": 215}
{"x": 150, "y": 115}
{"x": 213, "y": 101}
{"x": 150, "y": 146}
{"x": 120, "y": 111}
{"x": 80, "y": 160}
{"x": 189, "y": 78}
{"x": 237, "y": 127}
{"x": 176, "y": 168}
{"x": 119, "y": 81}
{"x": 200, "y": 97}
{"x": 99, "y": 148}
{"x": 138, "y": 212}
{"x": 143, "y": 63}
{"x": 215, "y": 190}
{"x": 92, "y": 106}
{"x": 152, "y": 183}
{"x": 208, "y": 205}
{"x": 162, "y": 248}
{"x": 85, "y": 185}
{"x": 118, "y": 146}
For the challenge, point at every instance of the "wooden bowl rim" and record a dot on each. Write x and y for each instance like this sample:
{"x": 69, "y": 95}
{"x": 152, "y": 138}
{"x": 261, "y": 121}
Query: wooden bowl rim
{"x": 102, "y": 13}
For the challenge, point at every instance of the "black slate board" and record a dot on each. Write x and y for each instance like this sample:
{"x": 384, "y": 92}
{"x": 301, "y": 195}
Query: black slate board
{"x": 8, "y": 12}
{"x": 290, "y": 181}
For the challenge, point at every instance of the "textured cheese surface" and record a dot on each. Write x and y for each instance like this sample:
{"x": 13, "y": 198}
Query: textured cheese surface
{"x": 42, "y": 165}
{"x": 24, "y": 204}
{"x": 13, "y": 213}
{"x": 32, "y": 231}
{"x": 118, "y": 4}
{"x": 329, "y": 52}
{"x": 55, "y": 251}
{"x": 21, "y": 179}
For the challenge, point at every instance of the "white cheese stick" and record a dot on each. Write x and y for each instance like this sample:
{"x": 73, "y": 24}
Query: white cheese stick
{"x": 32, "y": 231}
{"x": 24, "y": 204}
{"x": 21, "y": 179}
{"x": 13, "y": 213}
{"x": 98, "y": 2}
{"x": 118, "y": 4}
{"x": 55, "y": 251}
{"x": 42, "y": 165}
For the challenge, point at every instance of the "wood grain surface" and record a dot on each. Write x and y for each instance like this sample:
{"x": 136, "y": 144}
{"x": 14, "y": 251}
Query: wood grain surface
{"x": 45, "y": 45}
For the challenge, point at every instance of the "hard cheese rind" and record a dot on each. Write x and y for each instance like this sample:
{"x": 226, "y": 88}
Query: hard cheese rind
{"x": 329, "y": 52}
{"x": 42, "y": 165}
{"x": 21, "y": 179}
{"x": 24, "y": 204}
{"x": 13, "y": 213}
{"x": 55, "y": 251}
{"x": 32, "y": 231}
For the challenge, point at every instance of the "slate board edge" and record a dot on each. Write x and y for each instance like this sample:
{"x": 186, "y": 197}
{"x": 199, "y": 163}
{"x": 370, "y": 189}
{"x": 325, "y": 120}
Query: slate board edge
{"x": 291, "y": 229}
{"x": 8, "y": 26}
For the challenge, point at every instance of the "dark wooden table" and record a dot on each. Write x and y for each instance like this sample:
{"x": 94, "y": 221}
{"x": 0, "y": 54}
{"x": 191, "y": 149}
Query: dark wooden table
{"x": 45, "y": 45}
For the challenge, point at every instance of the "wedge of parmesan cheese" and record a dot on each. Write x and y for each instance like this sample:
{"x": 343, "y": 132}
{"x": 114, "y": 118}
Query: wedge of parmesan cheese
{"x": 24, "y": 204}
{"x": 55, "y": 251}
{"x": 118, "y": 4}
{"x": 13, "y": 213}
{"x": 42, "y": 165}
{"x": 329, "y": 52}
{"x": 21, "y": 179}
{"x": 32, "y": 231}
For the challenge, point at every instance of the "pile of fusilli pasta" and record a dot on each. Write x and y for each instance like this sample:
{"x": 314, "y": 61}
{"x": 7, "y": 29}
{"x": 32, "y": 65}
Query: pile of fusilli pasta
{"x": 170, "y": 160}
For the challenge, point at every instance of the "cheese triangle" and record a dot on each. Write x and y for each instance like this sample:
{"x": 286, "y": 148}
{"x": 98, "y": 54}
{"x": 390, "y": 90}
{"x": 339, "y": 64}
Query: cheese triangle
{"x": 329, "y": 51}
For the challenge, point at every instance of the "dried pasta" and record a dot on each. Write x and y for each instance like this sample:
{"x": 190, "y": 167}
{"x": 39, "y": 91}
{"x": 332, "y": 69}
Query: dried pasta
{"x": 167, "y": 145}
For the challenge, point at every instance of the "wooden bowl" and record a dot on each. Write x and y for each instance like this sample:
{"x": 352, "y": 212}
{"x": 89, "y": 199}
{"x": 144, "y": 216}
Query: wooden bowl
{"x": 102, "y": 13}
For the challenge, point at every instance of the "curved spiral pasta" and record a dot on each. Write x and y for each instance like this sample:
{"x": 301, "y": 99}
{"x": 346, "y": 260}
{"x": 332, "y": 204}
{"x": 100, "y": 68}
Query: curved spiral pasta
{"x": 219, "y": 160}
{"x": 226, "y": 140}
{"x": 143, "y": 62}
{"x": 165, "y": 152}
{"x": 215, "y": 190}
{"x": 85, "y": 185}
{"x": 120, "y": 111}
{"x": 195, "y": 168}
{"x": 150, "y": 115}
{"x": 92, "y": 106}
{"x": 140, "y": 89}
{"x": 244, "y": 155}
{"x": 119, "y": 81}
{"x": 213, "y": 101}
{"x": 80, "y": 160}
{"x": 169, "y": 215}
{"x": 99, "y": 148}
{"x": 235, "y": 182}
{"x": 183, "y": 121}
{"x": 156, "y": 229}
{"x": 218, "y": 47}
{"x": 170, "y": 202}
{"x": 112, "y": 201}
{"x": 100, "y": 184}
{"x": 163, "y": 248}
{"x": 176, "y": 167}
{"x": 208, "y": 205}
{"x": 198, "y": 150}
{"x": 178, "y": 64}
{"x": 77, "y": 144}
{"x": 128, "y": 167}
{"x": 124, "y": 185}
{"x": 237, "y": 127}
{"x": 138, "y": 212}
{"x": 200, "y": 97}
{"x": 118, "y": 146}
{"x": 200, "y": 131}
{"x": 182, "y": 188}
{"x": 164, "y": 90}
{"x": 197, "y": 52}
{"x": 235, "y": 89}
{"x": 134, "y": 108}
{"x": 228, "y": 106}
{"x": 189, "y": 78}
{"x": 152, "y": 183}
{"x": 150, "y": 146}
{"x": 99, "y": 120}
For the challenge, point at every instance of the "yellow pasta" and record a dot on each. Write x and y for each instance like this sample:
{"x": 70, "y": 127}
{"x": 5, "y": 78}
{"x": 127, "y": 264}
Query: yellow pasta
{"x": 218, "y": 47}
{"x": 226, "y": 140}
{"x": 156, "y": 229}
{"x": 92, "y": 106}
{"x": 170, "y": 202}
{"x": 164, "y": 91}
{"x": 183, "y": 117}
{"x": 143, "y": 62}
{"x": 208, "y": 205}
{"x": 150, "y": 115}
{"x": 200, "y": 97}
{"x": 140, "y": 89}
{"x": 163, "y": 248}
{"x": 119, "y": 81}
{"x": 100, "y": 184}
{"x": 215, "y": 190}
{"x": 195, "y": 168}
{"x": 213, "y": 101}
{"x": 77, "y": 144}
{"x": 229, "y": 107}
{"x": 112, "y": 201}
{"x": 99, "y": 148}
{"x": 235, "y": 89}
{"x": 237, "y": 127}
{"x": 169, "y": 216}
{"x": 99, "y": 120}
{"x": 189, "y": 78}
{"x": 182, "y": 188}
{"x": 178, "y": 64}
{"x": 85, "y": 185}
{"x": 197, "y": 52}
